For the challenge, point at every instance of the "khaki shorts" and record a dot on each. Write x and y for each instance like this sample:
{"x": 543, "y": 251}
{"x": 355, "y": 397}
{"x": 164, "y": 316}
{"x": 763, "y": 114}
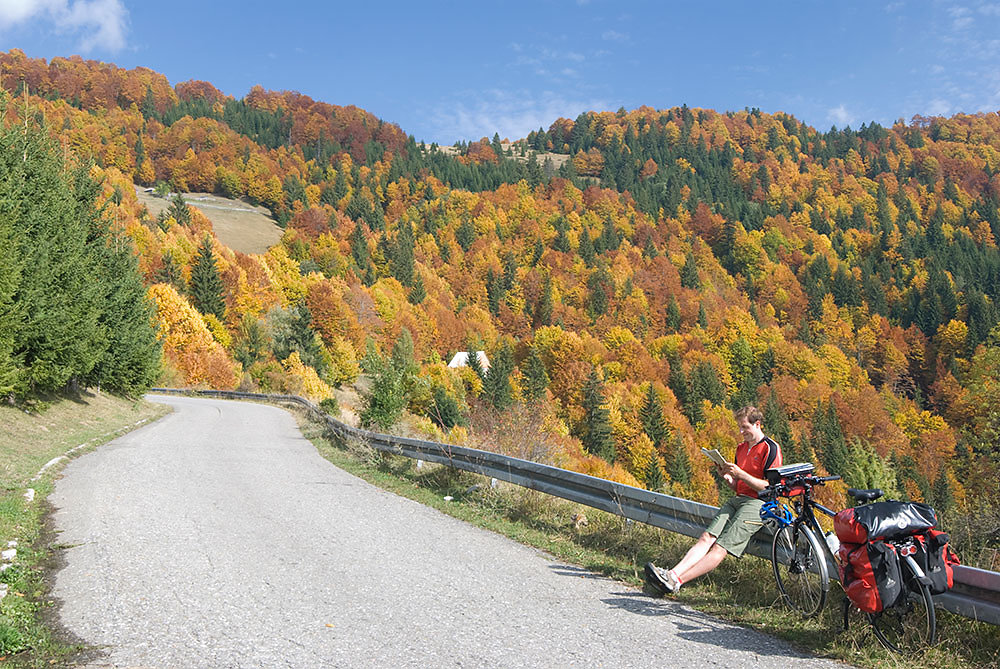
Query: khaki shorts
{"x": 735, "y": 523}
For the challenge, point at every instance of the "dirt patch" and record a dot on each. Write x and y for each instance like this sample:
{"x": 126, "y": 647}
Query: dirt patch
{"x": 239, "y": 225}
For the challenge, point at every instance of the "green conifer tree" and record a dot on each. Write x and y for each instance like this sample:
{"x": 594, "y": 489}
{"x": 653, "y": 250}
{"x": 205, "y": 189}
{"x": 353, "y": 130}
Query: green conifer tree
{"x": 597, "y": 438}
{"x": 496, "y": 385}
{"x": 679, "y": 464}
{"x": 651, "y": 416}
{"x": 205, "y": 287}
{"x": 673, "y": 320}
{"x": 689, "y": 272}
{"x": 60, "y": 337}
{"x": 536, "y": 379}
{"x": 130, "y": 362}
{"x": 179, "y": 210}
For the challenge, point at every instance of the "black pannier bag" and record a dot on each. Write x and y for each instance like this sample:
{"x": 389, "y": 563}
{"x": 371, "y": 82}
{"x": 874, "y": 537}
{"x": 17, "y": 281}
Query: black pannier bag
{"x": 883, "y": 520}
{"x": 937, "y": 560}
{"x": 876, "y": 582}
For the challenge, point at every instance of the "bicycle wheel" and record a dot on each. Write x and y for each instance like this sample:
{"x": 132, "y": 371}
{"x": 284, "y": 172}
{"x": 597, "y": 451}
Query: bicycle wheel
{"x": 800, "y": 569}
{"x": 910, "y": 624}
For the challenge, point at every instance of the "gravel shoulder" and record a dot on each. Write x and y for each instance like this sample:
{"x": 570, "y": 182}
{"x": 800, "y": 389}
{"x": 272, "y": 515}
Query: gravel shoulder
{"x": 219, "y": 537}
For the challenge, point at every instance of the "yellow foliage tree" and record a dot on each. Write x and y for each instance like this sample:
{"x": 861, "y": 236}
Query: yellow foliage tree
{"x": 188, "y": 343}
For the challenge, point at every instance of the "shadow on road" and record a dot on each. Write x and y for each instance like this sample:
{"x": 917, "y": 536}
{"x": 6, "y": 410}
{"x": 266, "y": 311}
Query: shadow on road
{"x": 700, "y": 627}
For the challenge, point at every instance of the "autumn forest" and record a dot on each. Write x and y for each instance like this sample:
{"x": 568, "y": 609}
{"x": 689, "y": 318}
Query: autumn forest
{"x": 633, "y": 276}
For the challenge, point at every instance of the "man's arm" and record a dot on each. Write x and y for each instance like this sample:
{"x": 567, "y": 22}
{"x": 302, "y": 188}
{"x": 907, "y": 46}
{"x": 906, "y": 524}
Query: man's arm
{"x": 735, "y": 472}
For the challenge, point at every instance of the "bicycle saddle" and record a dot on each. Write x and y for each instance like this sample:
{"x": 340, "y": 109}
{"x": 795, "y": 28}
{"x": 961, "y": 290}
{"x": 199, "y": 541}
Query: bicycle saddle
{"x": 865, "y": 495}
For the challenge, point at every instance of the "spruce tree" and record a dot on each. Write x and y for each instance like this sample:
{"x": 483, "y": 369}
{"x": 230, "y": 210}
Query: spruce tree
{"x": 179, "y": 210}
{"x": 205, "y": 288}
{"x": 130, "y": 362}
{"x": 679, "y": 464}
{"x": 60, "y": 338}
{"x": 170, "y": 272}
{"x": 597, "y": 438}
{"x": 689, "y": 272}
{"x": 496, "y": 385}
{"x": 536, "y": 379}
{"x": 418, "y": 293}
{"x": 586, "y": 248}
{"x": 474, "y": 363}
{"x": 11, "y": 315}
{"x": 651, "y": 416}
{"x": 653, "y": 476}
{"x": 673, "y": 320}
{"x": 250, "y": 343}
{"x": 543, "y": 307}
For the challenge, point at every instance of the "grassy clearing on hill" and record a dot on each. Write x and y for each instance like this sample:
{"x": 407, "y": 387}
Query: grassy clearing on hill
{"x": 239, "y": 225}
{"x": 29, "y": 441}
{"x": 741, "y": 591}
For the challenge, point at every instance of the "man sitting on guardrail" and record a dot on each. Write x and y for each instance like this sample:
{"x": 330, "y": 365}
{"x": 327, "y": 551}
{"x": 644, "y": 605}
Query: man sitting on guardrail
{"x": 739, "y": 518}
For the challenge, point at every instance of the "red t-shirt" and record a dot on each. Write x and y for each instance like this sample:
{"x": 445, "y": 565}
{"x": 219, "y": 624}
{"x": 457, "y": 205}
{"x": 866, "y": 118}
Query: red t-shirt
{"x": 754, "y": 460}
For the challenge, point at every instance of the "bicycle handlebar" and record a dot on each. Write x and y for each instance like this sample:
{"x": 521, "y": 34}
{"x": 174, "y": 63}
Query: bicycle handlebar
{"x": 782, "y": 488}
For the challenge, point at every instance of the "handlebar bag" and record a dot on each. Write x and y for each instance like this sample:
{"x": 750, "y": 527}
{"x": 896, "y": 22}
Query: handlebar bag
{"x": 877, "y": 582}
{"x": 936, "y": 558}
{"x": 883, "y": 520}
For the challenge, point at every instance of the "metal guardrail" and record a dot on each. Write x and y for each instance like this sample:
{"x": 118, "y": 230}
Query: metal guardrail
{"x": 976, "y": 593}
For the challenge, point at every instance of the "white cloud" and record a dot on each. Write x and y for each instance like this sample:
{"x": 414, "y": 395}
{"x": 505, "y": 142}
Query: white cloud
{"x": 938, "y": 107}
{"x": 99, "y": 24}
{"x": 614, "y": 36}
{"x": 840, "y": 116}
{"x": 512, "y": 114}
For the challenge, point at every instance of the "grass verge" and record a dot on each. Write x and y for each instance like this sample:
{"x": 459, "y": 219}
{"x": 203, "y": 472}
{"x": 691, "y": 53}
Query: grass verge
{"x": 740, "y": 591}
{"x": 28, "y": 637}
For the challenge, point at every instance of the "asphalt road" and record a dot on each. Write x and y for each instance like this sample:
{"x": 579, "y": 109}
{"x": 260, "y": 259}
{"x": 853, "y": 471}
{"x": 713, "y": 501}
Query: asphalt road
{"x": 218, "y": 537}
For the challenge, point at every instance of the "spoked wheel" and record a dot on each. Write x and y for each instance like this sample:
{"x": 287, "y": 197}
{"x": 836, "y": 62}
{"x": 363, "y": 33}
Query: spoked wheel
{"x": 800, "y": 569}
{"x": 908, "y": 626}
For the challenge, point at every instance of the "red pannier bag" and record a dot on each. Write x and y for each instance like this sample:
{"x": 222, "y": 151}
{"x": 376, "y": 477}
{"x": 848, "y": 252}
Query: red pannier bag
{"x": 844, "y": 561}
{"x": 877, "y": 581}
{"x": 936, "y": 558}
{"x": 883, "y": 520}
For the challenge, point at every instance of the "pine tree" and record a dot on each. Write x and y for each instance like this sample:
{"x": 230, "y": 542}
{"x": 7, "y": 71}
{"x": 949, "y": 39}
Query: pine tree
{"x": 130, "y": 361}
{"x": 170, "y": 272}
{"x": 586, "y": 248}
{"x": 689, "y": 272}
{"x": 11, "y": 314}
{"x": 250, "y": 343}
{"x": 474, "y": 363}
{"x": 496, "y": 385}
{"x": 418, "y": 293}
{"x": 702, "y": 316}
{"x": 205, "y": 287}
{"x": 679, "y": 464}
{"x": 536, "y": 379}
{"x": 597, "y": 438}
{"x": 178, "y": 209}
{"x": 651, "y": 416}
{"x": 465, "y": 234}
{"x": 60, "y": 338}
{"x": 673, "y": 319}
{"x": 653, "y": 476}
{"x": 543, "y": 307}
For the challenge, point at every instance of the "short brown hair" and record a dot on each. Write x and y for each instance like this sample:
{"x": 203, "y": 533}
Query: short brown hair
{"x": 750, "y": 412}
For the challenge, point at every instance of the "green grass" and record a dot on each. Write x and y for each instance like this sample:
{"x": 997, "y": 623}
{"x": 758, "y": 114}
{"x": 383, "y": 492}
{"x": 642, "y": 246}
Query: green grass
{"x": 740, "y": 591}
{"x": 28, "y": 634}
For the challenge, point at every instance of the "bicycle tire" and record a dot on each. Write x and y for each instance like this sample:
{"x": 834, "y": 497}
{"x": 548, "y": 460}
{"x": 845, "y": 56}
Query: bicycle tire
{"x": 804, "y": 581}
{"x": 909, "y": 625}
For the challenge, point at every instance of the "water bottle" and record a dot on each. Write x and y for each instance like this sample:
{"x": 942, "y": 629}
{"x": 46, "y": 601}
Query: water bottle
{"x": 832, "y": 542}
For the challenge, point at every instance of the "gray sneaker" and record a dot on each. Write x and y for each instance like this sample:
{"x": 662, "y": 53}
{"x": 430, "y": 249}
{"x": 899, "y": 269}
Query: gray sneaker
{"x": 661, "y": 579}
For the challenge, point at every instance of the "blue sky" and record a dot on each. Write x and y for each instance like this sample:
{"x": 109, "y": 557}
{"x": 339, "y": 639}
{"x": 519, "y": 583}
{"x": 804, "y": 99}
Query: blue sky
{"x": 447, "y": 71}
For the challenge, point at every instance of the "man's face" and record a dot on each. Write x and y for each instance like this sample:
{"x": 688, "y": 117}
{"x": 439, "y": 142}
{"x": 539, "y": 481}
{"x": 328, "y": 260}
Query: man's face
{"x": 749, "y": 431}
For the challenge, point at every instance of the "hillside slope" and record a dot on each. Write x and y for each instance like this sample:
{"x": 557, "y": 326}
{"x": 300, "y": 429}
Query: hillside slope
{"x": 680, "y": 263}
